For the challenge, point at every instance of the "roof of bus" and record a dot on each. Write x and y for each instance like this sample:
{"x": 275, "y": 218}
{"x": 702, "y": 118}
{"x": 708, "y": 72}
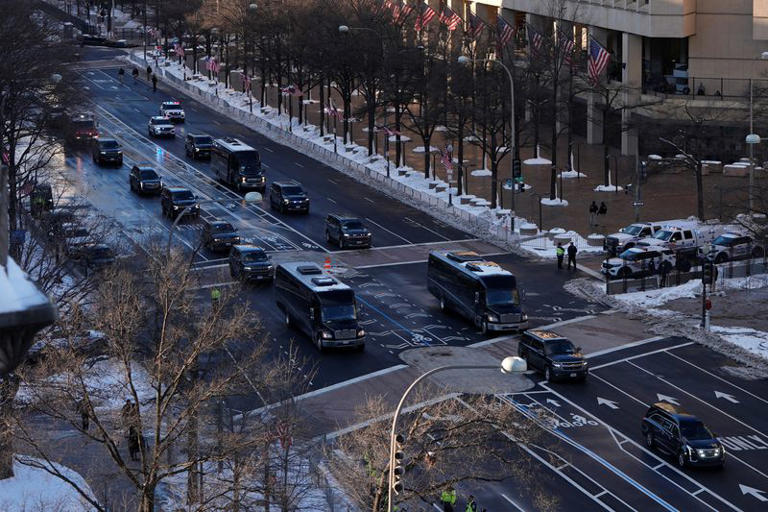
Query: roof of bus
{"x": 313, "y": 276}
{"x": 232, "y": 144}
{"x": 471, "y": 263}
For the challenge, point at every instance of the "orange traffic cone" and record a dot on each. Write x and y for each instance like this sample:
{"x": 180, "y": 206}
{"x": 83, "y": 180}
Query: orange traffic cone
{"x": 327, "y": 264}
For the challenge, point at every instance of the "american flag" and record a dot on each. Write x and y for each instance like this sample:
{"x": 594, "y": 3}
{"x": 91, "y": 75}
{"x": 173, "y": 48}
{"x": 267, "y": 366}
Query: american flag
{"x": 535, "y": 39}
{"x": 400, "y": 11}
{"x": 446, "y": 157}
{"x": 504, "y": 31}
{"x": 597, "y": 61}
{"x": 179, "y": 50}
{"x": 449, "y": 18}
{"x": 566, "y": 46}
{"x": 247, "y": 83}
{"x": 426, "y": 14}
{"x": 211, "y": 64}
{"x": 476, "y": 26}
{"x": 291, "y": 90}
{"x": 390, "y": 132}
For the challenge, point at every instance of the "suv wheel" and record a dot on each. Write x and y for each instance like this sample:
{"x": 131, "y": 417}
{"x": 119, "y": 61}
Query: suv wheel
{"x": 758, "y": 252}
{"x": 442, "y": 303}
{"x": 327, "y": 236}
{"x": 721, "y": 258}
{"x": 649, "y": 442}
{"x": 547, "y": 374}
{"x": 319, "y": 343}
{"x": 287, "y": 318}
{"x": 681, "y": 462}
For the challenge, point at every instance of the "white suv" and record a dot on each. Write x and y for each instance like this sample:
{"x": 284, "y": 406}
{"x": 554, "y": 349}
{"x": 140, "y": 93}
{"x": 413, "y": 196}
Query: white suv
{"x": 734, "y": 246}
{"x": 159, "y": 126}
{"x": 172, "y": 110}
{"x": 640, "y": 262}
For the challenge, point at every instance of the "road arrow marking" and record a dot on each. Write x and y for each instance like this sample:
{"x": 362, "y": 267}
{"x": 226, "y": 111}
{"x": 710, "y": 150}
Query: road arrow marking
{"x": 730, "y": 398}
{"x": 668, "y": 399}
{"x": 553, "y": 402}
{"x": 609, "y": 403}
{"x": 756, "y": 493}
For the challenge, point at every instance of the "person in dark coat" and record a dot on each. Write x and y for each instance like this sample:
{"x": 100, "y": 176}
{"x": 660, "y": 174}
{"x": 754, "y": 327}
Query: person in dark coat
{"x": 154, "y": 82}
{"x": 603, "y": 209}
{"x": 82, "y": 408}
{"x": 149, "y": 72}
{"x": 133, "y": 443}
{"x": 592, "y": 213}
{"x": 572, "y": 250}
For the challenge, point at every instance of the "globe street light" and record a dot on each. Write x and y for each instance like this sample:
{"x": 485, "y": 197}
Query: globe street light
{"x": 463, "y": 59}
{"x": 509, "y": 365}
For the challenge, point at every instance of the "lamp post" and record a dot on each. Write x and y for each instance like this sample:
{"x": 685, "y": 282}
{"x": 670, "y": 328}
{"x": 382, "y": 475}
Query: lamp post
{"x": 250, "y": 197}
{"x": 463, "y": 59}
{"x": 752, "y": 139}
{"x": 510, "y": 365}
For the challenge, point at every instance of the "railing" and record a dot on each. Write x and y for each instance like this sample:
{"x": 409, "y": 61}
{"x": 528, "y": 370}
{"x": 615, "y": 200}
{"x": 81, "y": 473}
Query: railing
{"x": 707, "y": 88}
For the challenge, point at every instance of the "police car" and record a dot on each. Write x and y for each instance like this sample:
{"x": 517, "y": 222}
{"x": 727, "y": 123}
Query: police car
{"x": 172, "y": 110}
{"x": 639, "y": 262}
{"x": 734, "y": 246}
{"x": 160, "y": 126}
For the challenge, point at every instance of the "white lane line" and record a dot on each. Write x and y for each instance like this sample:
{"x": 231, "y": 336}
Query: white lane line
{"x": 332, "y": 181}
{"x": 298, "y": 164}
{"x": 268, "y": 149}
{"x": 426, "y": 228}
{"x": 622, "y": 347}
{"x": 638, "y": 356}
{"x": 388, "y": 231}
{"x": 370, "y": 200}
{"x": 378, "y": 265}
{"x": 331, "y": 200}
{"x": 378, "y": 248}
{"x": 726, "y": 381}
{"x": 521, "y": 509}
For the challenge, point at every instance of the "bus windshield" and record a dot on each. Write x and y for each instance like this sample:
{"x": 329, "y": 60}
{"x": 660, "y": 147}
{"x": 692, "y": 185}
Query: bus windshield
{"x": 247, "y": 162}
{"x": 337, "y": 305}
{"x": 501, "y": 289}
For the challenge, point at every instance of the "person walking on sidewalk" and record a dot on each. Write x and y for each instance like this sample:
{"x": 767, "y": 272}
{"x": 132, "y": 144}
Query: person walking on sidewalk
{"x": 135, "y": 74}
{"x": 149, "y": 73}
{"x": 82, "y": 408}
{"x": 154, "y": 82}
{"x": 471, "y": 505}
{"x": 120, "y": 74}
{"x": 592, "y": 213}
{"x": 448, "y": 498}
{"x": 560, "y": 252}
{"x": 572, "y": 250}
{"x": 603, "y": 209}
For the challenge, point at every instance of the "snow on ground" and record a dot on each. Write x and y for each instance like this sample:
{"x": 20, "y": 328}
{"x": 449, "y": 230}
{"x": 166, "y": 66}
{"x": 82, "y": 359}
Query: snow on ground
{"x": 608, "y": 188}
{"x": 543, "y": 247}
{"x": 537, "y": 161}
{"x": 553, "y": 202}
{"x": 660, "y": 296}
{"x": 572, "y": 174}
{"x": 420, "y": 149}
{"x": 754, "y": 342}
{"x": 35, "y": 490}
{"x": 17, "y": 292}
{"x": 481, "y": 172}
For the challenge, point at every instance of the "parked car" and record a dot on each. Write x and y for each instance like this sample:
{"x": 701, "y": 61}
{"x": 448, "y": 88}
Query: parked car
{"x": 734, "y": 246}
{"x": 172, "y": 111}
{"x": 642, "y": 262}
{"x": 346, "y": 231}
{"x": 198, "y": 146}
{"x": 159, "y": 126}
{"x": 627, "y": 237}
{"x": 144, "y": 180}
{"x": 219, "y": 235}
{"x": 250, "y": 263}
{"x": 97, "y": 256}
{"x": 107, "y": 151}
{"x": 73, "y": 237}
{"x": 174, "y": 201}
{"x": 553, "y": 355}
{"x": 41, "y": 199}
{"x": 288, "y": 196}
{"x": 681, "y": 435}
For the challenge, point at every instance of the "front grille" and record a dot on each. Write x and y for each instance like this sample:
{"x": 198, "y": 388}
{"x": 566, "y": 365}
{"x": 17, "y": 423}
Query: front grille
{"x": 343, "y": 334}
{"x": 612, "y": 241}
{"x": 572, "y": 365}
{"x": 710, "y": 452}
{"x": 510, "y": 317}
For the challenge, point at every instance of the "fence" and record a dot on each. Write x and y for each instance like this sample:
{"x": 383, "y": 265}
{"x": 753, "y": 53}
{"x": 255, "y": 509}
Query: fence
{"x": 708, "y": 87}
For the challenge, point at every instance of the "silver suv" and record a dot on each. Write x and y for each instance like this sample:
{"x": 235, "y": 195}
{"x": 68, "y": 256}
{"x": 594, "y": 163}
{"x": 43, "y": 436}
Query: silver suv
{"x": 640, "y": 262}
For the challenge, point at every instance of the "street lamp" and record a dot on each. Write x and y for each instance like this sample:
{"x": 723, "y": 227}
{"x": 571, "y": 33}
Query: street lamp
{"x": 250, "y": 197}
{"x": 463, "y": 59}
{"x": 752, "y": 139}
{"x": 509, "y": 365}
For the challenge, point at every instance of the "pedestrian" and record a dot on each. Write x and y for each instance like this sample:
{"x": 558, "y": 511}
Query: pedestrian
{"x": 560, "y": 255}
{"x": 651, "y": 267}
{"x": 471, "y": 505}
{"x": 82, "y": 408}
{"x": 448, "y": 498}
{"x": 592, "y": 213}
{"x": 572, "y": 250}
{"x": 663, "y": 269}
{"x": 133, "y": 443}
{"x": 154, "y": 82}
{"x": 149, "y": 73}
{"x": 135, "y": 74}
{"x": 603, "y": 209}
{"x": 120, "y": 74}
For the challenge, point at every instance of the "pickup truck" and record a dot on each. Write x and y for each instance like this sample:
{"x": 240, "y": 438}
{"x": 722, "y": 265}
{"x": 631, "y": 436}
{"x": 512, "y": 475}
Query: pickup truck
{"x": 685, "y": 240}
{"x": 628, "y": 237}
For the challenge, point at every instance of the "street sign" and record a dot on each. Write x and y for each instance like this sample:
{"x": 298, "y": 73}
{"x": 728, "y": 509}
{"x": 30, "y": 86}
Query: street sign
{"x": 638, "y": 203}
{"x": 509, "y": 184}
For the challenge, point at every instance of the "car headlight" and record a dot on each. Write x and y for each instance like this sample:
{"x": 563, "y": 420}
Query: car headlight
{"x": 141, "y": 184}
{"x": 175, "y": 207}
{"x": 197, "y": 149}
{"x": 286, "y": 201}
{"x": 701, "y": 453}
{"x": 346, "y": 235}
{"x": 327, "y": 335}
{"x": 102, "y": 152}
{"x": 557, "y": 365}
{"x": 270, "y": 267}
{"x": 524, "y": 317}
{"x": 216, "y": 240}
{"x": 360, "y": 333}
{"x": 584, "y": 363}
{"x": 493, "y": 318}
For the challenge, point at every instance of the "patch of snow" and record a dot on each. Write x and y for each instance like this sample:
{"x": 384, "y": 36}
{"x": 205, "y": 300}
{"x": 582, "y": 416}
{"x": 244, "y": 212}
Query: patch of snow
{"x": 655, "y": 157}
{"x": 553, "y": 202}
{"x": 17, "y": 292}
{"x": 751, "y": 340}
{"x": 32, "y": 489}
{"x": 543, "y": 247}
{"x": 528, "y": 225}
{"x": 572, "y": 174}
{"x": 420, "y": 149}
{"x": 403, "y": 138}
{"x": 660, "y": 296}
{"x": 557, "y": 231}
{"x": 441, "y": 128}
{"x": 537, "y": 161}
{"x": 608, "y": 188}
{"x": 481, "y": 172}
{"x": 712, "y": 162}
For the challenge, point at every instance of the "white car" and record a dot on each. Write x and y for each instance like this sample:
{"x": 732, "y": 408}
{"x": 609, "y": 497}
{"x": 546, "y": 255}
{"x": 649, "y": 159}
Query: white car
{"x": 172, "y": 110}
{"x": 159, "y": 126}
{"x": 734, "y": 246}
{"x": 639, "y": 262}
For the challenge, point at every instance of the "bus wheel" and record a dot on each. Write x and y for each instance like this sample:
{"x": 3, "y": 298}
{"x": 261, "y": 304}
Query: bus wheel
{"x": 484, "y": 326}
{"x": 319, "y": 343}
{"x": 442, "y": 303}
{"x": 287, "y": 319}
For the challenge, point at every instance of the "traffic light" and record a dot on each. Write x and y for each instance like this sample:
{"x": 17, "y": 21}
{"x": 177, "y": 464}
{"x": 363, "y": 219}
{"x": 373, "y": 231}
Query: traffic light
{"x": 398, "y": 470}
{"x": 707, "y": 272}
{"x": 516, "y": 169}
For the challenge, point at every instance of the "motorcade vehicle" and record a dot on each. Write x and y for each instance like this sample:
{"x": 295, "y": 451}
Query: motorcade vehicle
{"x": 107, "y": 151}
{"x": 628, "y": 236}
{"x": 479, "y": 290}
{"x": 82, "y": 128}
{"x": 676, "y": 433}
{"x": 553, "y": 355}
{"x": 346, "y": 231}
{"x": 734, "y": 246}
{"x": 172, "y": 111}
{"x": 96, "y": 255}
{"x": 176, "y": 200}
{"x": 143, "y": 179}
{"x": 159, "y": 126}
{"x": 288, "y": 196}
{"x": 319, "y": 305}
{"x": 238, "y": 165}
{"x": 198, "y": 146}
{"x": 249, "y": 263}
{"x": 219, "y": 235}
{"x": 641, "y": 262}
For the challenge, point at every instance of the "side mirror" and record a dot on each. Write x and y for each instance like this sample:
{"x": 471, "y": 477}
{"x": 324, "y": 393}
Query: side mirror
{"x": 477, "y": 297}
{"x": 578, "y": 349}
{"x": 311, "y": 313}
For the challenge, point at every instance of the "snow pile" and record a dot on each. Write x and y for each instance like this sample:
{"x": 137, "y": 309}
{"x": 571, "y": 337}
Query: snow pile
{"x": 754, "y": 342}
{"x": 660, "y": 296}
{"x": 572, "y": 174}
{"x": 543, "y": 247}
{"x": 654, "y": 157}
{"x": 420, "y": 149}
{"x": 553, "y": 202}
{"x": 537, "y": 161}
{"x": 608, "y": 188}
{"x": 481, "y": 172}
{"x": 32, "y": 489}
{"x": 17, "y": 292}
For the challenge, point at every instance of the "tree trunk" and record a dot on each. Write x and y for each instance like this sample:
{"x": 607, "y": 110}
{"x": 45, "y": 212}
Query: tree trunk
{"x": 494, "y": 172}
{"x": 606, "y": 170}
{"x": 347, "y": 115}
{"x": 148, "y": 496}
{"x": 371, "y": 121}
{"x": 427, "y": 154}
{"x": 699, "y": 191}
{"x": 553, "y": 167}
{"x": 193, "y": 491}
{"x": 398, "y": 144}
{"x": 460, "y": 156}
{"x": 8, "y": 387}
{"x": 322, "y": 107}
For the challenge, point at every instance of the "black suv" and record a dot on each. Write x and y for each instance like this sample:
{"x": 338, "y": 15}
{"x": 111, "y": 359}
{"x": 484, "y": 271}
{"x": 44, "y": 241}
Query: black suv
{"x": 219, "y": 235}
{"x": 552, "y": 354}
{"x": 288, "y": 196}
{"x": 198, "y": 146}
{"x": 250, "y": 263}
{"x": 144, "y": 180}
{"x": 175, "y": 199}
{"x": 107, "y": 151}
{"x": 346, "y": 231}
{"x": 681, "y": 435}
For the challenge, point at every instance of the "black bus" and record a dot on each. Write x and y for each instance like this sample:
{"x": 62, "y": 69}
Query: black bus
{"x": 238, "y": 165}
{"x": 479, "y": 290}
{"x": 318, "y": 305}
